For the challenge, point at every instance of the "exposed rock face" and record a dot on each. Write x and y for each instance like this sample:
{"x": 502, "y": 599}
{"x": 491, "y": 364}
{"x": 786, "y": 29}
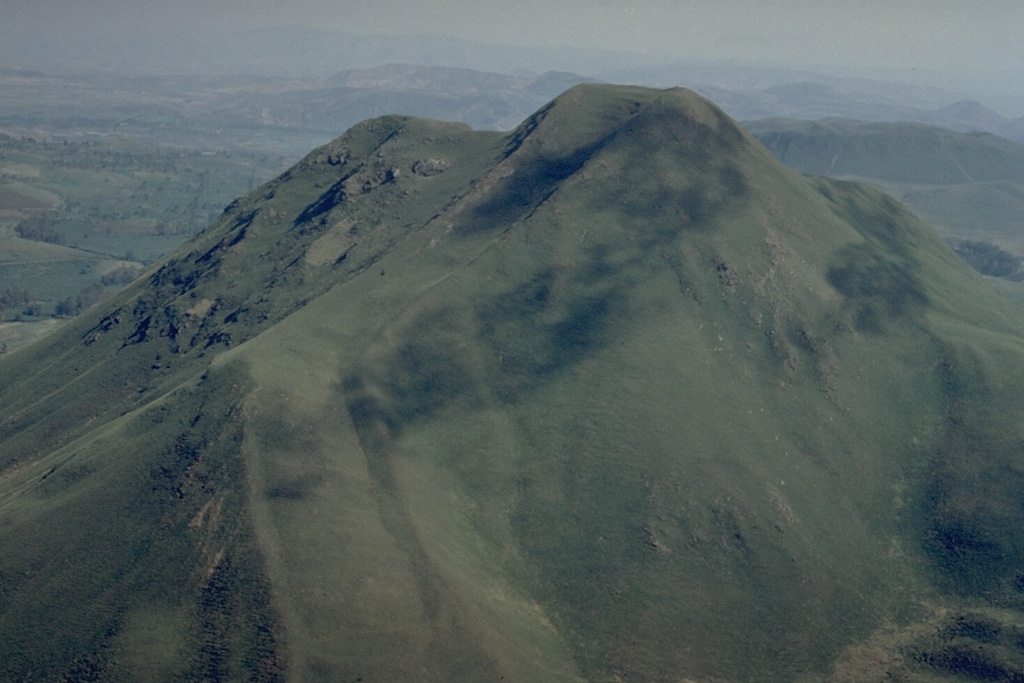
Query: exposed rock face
{"x": 429, "y": 167}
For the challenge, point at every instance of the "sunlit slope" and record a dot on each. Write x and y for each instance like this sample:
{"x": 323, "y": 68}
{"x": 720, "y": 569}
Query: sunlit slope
{"x": 615, "y": 396}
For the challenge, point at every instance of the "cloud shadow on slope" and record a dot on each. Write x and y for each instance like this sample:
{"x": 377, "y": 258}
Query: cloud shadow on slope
{"x": 531, "y": 183}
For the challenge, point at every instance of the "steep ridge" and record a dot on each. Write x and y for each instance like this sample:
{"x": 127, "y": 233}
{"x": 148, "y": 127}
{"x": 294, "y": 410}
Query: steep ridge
{"x": 615, "y": 396}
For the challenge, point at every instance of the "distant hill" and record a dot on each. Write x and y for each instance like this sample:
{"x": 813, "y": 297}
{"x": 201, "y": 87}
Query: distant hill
{"x": 812, "y": 101}
{"x": 969, "y": 185}
{"x": 967, "y": 116}
{"x": 899, "y": 152}
{"x": 612, "y": 396}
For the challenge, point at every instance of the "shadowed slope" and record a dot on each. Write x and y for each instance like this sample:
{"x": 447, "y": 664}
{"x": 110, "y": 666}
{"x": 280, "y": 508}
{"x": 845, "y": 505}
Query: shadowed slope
{"x": 615, "y": 396}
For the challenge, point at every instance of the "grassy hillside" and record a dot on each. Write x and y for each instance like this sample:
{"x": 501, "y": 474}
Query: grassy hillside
{"x": 614, "y": 396}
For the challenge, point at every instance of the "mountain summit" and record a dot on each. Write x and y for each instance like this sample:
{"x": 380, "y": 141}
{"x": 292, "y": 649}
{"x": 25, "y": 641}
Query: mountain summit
{"x": 614, "y": 396}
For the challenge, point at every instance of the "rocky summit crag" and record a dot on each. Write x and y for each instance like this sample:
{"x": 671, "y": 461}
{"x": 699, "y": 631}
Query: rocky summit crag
{"x": 614, "y": 396}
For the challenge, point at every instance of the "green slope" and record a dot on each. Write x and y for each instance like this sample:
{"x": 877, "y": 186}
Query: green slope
{"x": 615, "y": 396}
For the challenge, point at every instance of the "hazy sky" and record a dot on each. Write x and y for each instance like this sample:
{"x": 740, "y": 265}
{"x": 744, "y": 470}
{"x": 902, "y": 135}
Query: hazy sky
{"x": 906, "y": 33}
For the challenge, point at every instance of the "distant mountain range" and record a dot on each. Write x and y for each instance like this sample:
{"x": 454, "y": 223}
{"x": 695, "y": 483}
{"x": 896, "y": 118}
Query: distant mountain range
{"x": 813, "y": 101}
{"x": 290, "y": 115}
{"x": 313, "y": 52}
{"x": 612, "y": 396}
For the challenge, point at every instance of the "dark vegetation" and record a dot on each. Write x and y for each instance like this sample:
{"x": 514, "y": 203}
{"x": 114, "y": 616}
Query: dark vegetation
{"x": 12, "y": 297}
{"x": 40, "y": 229}
{"x": 988, "y": 259}
{"x": 72, "y": 306}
